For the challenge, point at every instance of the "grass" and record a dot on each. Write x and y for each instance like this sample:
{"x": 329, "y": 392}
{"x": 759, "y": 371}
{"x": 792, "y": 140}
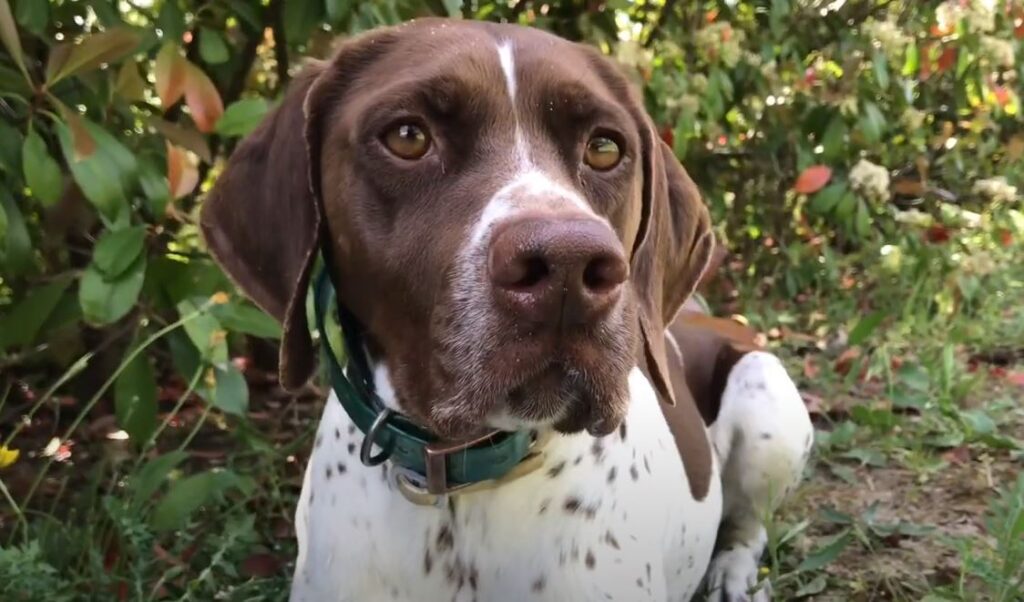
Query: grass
{"x": 913, "y": 493}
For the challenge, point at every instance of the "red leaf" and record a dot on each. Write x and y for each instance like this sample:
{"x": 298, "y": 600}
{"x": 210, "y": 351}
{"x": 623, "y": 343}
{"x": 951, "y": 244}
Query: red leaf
{"x": 958, "y": 455}
{"x": 1016, "y": 378}
{"x": 182, "y": 175}
{"x": 937, "y": 234}
{"x": 947, "y": 59}
{"x": 203, "y": 100}
{"x": 261, "y": 565}
{"x": 668, "y": 135}
{"x": 1005, "y": 237}
{"x": 811, "y": 369}
{"x": 169, "y": 73}
{"x": 813, "y": 179}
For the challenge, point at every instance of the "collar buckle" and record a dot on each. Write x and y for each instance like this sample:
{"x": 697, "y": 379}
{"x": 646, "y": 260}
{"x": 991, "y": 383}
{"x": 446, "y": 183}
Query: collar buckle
{"x": 436, "y": 461}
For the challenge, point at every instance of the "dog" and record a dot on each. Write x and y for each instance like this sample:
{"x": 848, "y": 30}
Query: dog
{"x": 527, "y": 413}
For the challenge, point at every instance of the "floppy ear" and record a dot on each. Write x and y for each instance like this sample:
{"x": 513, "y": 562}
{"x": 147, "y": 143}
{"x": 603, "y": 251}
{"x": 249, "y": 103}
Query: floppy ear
{"x": 261, "y": 223}
{"x": 672, "y": 250}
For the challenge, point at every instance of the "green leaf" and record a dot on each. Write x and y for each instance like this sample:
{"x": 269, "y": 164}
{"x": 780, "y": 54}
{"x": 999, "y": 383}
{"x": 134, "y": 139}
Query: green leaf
{"x": 813, "y": 587}
{"x": 299, "y": 20}
{"x": 247, "y": 319}
{"x": 880, "y": 65}
{"x": 872, "y": 123}
{"x": 245, "y": 11}
{"x": 864, "y": 328}
{"x": 171, "y": 21}
{"x": 106, "y": 301}
{"x": 978, "y": 422}
{"x": 155, "y": 186}
{"x": 453, "y": 7}
{"x": 242, "y": 117}
{"x": 16, "y": 256}
{"x": 911, "y": 63}
{"x": 42, "y": 173}
{"x": 106, "y": 174}
{"x": 135, "y": 399}
{"x": 93, "y": 51}
{"x": 153, "y": 473}
{"x": 230, "y": 392}
{"x": 826, "y": 554}
{"x": 337, "y": 10}
{"x": 863, "y": 222}
{"x": 827, "y": 198}
{"x": 191, "y": 493}
{"x": 33, "y": 15}
{"x": 11, "y": 142}
{"x": 116, "y": 251}
{"x": 9, "y": 36}
{"x": 833, "y": 141}
{"x": 212, "y": 47}
{"x": 20, "y": 326}
{"x": 206, "y": 333}
{"x": 3, "y": 228}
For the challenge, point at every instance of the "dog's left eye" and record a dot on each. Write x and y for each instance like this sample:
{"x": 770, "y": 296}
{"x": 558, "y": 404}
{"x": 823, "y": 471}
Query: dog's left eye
{"x": 602, "y": 153}
{"x": 407, "y": 140}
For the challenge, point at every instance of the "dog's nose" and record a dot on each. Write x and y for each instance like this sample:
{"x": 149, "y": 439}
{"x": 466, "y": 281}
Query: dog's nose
{"x": 557, "y": 270}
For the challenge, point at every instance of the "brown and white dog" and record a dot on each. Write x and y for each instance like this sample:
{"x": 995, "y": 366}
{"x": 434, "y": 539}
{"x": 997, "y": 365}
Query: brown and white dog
{"x": 517, "y": 243}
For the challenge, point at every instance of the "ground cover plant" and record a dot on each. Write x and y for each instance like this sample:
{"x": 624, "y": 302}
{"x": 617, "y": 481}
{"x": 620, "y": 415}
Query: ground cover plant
{"x": 863, "y": 162}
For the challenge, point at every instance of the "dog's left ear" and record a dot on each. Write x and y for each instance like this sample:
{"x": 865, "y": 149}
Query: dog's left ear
{"x": 672, "y": 250}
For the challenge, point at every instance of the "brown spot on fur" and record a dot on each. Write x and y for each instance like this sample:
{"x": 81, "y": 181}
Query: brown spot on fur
{"x": 611, "y": 474}
{"x": 589, "y": 560}
{"x": 337, "y": 433}
{"x": 428, "y": 562}
{"x": 556, "y": 469}
{"x": 622, "y": 431}
{"x": 341, "y": 468}
{"x": 572, "y": 505}
{"x": 647, "y": 465}
{"x": 538, "y": 585}
{"x": 351, "y": 448}
{"x": 610, "y": 539}
{"x": 634, "y": 473}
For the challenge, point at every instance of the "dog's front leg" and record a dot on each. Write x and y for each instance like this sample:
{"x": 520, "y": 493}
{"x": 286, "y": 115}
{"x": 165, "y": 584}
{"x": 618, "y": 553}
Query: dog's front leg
{"x": 763, "y": 437}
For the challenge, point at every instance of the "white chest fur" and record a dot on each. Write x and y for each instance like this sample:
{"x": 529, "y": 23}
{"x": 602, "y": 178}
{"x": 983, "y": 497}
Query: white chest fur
{"x": 609, "y": 519}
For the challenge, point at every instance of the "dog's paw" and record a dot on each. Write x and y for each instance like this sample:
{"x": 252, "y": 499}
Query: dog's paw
{"x": 732, "y": 577}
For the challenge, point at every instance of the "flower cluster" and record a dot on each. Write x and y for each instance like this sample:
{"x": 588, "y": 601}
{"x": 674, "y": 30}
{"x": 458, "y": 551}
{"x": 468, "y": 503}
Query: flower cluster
{"x": 997, "y": 52}
{"x": 887, "y": 36}
{"x": 870, "y": 181}
{"x": 979, "y": 16}
{"x": 720, "y": 41}
{"x": 997, "y": 190}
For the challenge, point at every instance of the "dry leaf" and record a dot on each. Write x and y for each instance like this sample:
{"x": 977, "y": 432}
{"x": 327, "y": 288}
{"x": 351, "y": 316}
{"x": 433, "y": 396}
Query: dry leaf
{"x": 169, "y": 71}
{"x": 182, "y": 175}
{"x": 204, "y": 102}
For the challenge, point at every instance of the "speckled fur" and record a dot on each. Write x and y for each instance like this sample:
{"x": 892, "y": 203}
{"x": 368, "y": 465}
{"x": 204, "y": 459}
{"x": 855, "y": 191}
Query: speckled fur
{"x": 608, "y": 519}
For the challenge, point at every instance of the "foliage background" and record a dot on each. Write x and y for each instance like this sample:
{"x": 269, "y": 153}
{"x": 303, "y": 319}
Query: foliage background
{"x": 868, "y": 147}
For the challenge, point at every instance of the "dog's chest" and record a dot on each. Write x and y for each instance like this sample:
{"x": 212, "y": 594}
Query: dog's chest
{"x": 609, "y": 519}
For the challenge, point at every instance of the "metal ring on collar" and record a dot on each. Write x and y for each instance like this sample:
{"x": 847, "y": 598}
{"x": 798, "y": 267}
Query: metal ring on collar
{"x": 371, "y": 436}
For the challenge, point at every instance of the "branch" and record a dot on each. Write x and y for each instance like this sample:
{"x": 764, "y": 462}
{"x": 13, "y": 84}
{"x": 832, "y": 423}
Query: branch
{"x": 666, "y": 12}
{"x": 276, "y": 12}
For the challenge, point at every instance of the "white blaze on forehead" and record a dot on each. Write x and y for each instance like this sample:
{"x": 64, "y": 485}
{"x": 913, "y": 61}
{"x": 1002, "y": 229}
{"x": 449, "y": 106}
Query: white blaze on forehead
{"x": 508, "y": 65}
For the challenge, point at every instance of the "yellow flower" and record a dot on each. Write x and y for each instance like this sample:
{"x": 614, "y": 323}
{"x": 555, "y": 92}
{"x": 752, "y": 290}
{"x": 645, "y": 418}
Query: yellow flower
{"x": 8, "y": 456}
{"x": 220, "y": 298}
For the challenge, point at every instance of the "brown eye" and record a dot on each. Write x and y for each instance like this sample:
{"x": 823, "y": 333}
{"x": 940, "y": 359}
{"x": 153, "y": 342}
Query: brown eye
{"x": 602, "y": 153}
{"x": 407, "y": 140}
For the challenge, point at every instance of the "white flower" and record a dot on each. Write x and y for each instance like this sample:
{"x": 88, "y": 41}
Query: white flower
{"x": 1000, "y": 53}
{"x": 978, "y": 15}
{"x": 870, "y": 181}
{"x": 997, "y": 190}
{"x": 915, "y": 217}
{"x": 887, "y": 36}
{"x": 958, "y": 216}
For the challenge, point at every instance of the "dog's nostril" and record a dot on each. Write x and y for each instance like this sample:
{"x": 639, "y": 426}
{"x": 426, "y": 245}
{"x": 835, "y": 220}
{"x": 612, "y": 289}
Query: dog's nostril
{"x": 603, "y": 274}
{"x": 533, "y": 270}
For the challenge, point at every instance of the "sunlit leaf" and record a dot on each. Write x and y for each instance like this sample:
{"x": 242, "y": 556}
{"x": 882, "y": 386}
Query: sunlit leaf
{"x": 182, "y": 174}
{"x": 95, "y": 50}
{"x": 203, "y": 99}
{"x": 230, "y": 392}
{"x": 169, "y": 71}
{"x": 812, "y": 179}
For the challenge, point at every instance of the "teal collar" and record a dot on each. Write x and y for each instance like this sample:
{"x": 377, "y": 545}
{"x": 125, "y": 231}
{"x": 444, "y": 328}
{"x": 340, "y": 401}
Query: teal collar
{"x": 440, "y": 467}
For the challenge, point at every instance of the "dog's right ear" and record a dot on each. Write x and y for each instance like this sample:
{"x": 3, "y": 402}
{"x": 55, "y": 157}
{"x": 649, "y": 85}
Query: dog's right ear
{"x": 261, "y": 223}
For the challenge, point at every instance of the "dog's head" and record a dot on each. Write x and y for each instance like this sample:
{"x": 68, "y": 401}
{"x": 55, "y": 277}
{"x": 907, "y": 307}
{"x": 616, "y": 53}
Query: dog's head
{"x": 502, "y": 219}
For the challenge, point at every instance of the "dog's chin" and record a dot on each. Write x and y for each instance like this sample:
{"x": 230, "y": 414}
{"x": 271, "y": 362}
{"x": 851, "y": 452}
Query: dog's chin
{"x": 558, "y": 397}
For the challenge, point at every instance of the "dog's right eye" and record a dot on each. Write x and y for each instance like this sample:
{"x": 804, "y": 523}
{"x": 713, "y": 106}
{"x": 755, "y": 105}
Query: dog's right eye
{"x": 407, "y": 140}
